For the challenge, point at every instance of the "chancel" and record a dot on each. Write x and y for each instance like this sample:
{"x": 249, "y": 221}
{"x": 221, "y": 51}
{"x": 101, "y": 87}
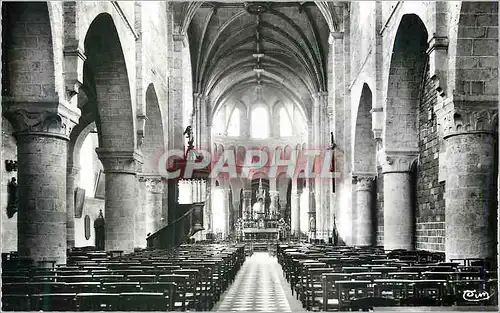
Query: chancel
{"x": 249, "y": 156}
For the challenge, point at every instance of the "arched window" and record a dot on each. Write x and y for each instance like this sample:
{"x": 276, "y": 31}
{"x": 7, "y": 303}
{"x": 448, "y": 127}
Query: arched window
{"x": 285, "y": 124}
{"x": 218, "y": 124}
{"x": 260, "y": 123}
{"x": 233, "y": 129}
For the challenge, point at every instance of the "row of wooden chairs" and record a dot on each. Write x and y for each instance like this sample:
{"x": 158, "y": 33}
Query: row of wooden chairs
{"x": 348, "y": 278}
{"x": 190, "y": 278}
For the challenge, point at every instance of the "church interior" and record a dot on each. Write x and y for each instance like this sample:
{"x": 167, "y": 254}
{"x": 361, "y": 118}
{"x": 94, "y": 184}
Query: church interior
{"x": 249, "y": 156}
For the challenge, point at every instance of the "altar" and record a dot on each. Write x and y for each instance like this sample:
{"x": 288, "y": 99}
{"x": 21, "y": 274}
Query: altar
{"x": 260, "y": 221}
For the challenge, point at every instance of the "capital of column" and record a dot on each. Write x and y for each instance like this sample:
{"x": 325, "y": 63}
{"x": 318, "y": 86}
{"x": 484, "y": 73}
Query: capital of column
{"x": 247, "y": 194}
{"x": 154, "y": 184}
{"x": 49, "y": 118}
{"x": 365, "y": 183}
{"x": 467, "y": 120}
{"x": 273, "y": 194}
{"x": 119, "y": 161}
{"x": 397, "y": 162}
{"x": 180, "y": 37}
{"x": 335, "y": 36}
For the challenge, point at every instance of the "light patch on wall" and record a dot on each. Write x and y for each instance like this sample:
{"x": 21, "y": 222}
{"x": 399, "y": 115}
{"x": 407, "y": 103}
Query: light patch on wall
{"x": 344, "y": 218}
{"x": 285, "y": 123}
{"x": 304, "y": 208}
{"x": 233, "y": 129}
{"x": 218, "y": 211}
{"x": 89, "y": 164}
{"x": 365, "y": 9}
{"x": 87, "y": 171}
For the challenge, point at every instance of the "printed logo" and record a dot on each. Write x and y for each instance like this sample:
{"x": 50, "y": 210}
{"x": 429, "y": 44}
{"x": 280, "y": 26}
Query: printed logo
{"x": 475, "y": 295}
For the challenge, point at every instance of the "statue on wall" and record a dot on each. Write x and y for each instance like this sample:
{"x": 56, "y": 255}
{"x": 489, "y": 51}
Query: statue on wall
{"x": 99, "y": 231}
{"x": 12, "y": 198}
{"x": 188, "y": 132}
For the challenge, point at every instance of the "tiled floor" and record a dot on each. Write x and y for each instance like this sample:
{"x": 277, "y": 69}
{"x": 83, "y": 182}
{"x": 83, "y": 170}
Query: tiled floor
{"x": 259, "y": 286}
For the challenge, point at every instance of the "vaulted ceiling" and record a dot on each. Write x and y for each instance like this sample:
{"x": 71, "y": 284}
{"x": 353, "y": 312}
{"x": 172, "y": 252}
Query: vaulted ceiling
{"x": 237, "y": 46}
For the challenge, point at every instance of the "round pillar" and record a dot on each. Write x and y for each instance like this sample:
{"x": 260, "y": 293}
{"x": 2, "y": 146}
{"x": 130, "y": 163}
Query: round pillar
{"x": 120, "y": 200}
{"x": 312, "y": 214}
{"x": 273, "y": 194}
{"x": 71, "y": 179}
{"x": 247, "y": 203}
{"x": 296, "y": 213}
{"x": 227, "y": 213}
{"x": 42, "y": 163}
{"x": 470, "y": 196}
{"x": 398, "y": 203}
{"x": 364, "y": 205}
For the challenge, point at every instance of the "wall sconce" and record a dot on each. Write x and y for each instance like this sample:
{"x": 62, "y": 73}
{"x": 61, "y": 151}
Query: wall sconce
{"x": 11, "y": 165}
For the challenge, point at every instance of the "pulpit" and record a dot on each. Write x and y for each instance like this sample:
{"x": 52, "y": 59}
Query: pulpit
{"x": 186, "y": 212}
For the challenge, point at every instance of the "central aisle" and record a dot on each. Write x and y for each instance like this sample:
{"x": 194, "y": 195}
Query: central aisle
{"x": 259, "y": 286}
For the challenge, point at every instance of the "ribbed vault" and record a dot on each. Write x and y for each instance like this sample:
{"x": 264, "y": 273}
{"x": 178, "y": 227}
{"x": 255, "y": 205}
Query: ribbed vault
{"x": 281, "y": 45}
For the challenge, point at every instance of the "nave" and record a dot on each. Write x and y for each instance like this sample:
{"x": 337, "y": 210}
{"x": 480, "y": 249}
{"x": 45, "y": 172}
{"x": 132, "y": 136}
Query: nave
{"x": 259, "y": 286}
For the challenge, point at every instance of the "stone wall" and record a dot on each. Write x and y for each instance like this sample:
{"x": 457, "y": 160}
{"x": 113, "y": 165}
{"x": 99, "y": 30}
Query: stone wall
{"x": 430, "y": 204}
{"x": 91, "y": 208}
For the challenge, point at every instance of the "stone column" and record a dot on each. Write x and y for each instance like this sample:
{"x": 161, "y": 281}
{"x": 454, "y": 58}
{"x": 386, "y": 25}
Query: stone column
{"x": 42, "y": 131}
{"x": 148, "y": 216}
{"x": 207, "y": 213}
{"x": 247, "y": 204}
{"x": 283, "y": 205}
{"x": 140, "y": 213}
{"x": 470, "y": 212}
{"x": 364, "y": 205}
{"x": 72, "y": 176}
{"x": 227, "y": 212}
{"x": 398, "y": 206}
{"x": 296, "y": 212}
{"x": 120, "y": 201}
{"x": 235, "y": 214}
{"x": 273, "y": 206}
{"x": 312, "y": 212}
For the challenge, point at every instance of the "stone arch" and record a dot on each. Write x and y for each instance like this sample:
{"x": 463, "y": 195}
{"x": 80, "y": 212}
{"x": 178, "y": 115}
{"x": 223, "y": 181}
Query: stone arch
{"x": 364, "y": 144}
{"x": 28, "y": 73}
{"x": 153, "y": 143}
{"x": 406, "y": 71}
{"x": 110, "y": 103}
{"x": 106, "y": 67}
{"x": 77, "y": 137}
{"x": 476, "y": 51}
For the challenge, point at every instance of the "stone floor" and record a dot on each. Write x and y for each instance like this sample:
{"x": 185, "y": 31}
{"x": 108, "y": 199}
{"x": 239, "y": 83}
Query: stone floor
{"x": 259, "y": 286}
